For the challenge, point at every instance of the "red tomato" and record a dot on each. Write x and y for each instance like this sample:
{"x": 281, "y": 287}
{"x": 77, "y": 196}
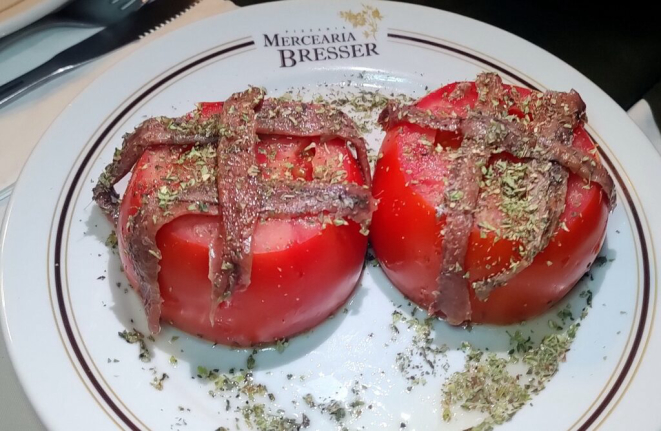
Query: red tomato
{"x": 406, "y": 234}
{"x": 302, "y": 271}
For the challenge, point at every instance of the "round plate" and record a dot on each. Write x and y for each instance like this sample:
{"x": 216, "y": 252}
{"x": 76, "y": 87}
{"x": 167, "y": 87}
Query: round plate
{"x": 65, "y": 299}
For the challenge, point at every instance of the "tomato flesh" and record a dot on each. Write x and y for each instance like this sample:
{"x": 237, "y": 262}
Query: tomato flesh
{"x": 302, "y": 270}
{"x": 406, "y": 233}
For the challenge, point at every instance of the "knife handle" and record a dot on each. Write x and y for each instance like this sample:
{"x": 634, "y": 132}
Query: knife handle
{"x": 27, "y": 82}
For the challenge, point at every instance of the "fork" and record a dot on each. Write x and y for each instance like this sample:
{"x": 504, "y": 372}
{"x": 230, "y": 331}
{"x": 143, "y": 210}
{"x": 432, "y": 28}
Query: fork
{"x": 78, "y": 13}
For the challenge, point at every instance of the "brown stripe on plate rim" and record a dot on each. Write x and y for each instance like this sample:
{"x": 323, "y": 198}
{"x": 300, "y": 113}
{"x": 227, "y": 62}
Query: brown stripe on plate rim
{"x": 65, "y": 207}
{"x": 57, "y": 258}
{"x": 75, "y": 198}
{"x": 608, "y": 162}
{"x": 627, "y": 195}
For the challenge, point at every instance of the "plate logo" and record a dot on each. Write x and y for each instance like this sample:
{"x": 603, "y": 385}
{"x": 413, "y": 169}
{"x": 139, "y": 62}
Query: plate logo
{"x": 368, "y": 18}
{"x": 299, "y": 46}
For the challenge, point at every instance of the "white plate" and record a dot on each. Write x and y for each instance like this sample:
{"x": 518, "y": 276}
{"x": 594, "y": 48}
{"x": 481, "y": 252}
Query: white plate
{"x": 61, "y": 322}
{"x": 15, "y": 14}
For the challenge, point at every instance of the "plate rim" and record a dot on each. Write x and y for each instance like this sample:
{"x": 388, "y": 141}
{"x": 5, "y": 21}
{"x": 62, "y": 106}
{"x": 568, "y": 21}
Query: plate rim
{"x": 187, "y": 28}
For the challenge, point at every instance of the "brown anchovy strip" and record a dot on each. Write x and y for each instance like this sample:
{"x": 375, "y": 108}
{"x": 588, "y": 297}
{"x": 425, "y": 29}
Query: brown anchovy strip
{"x": 459, "y": 204}
{"x": 460, "y": 200}
{"x": 295, "y": 198}
{"x": 273, "y": 117}
{"x": 239, "y": 196}
{"x": 548, "y": 192}
{"x": 395, "y": 113}
{"x": 306, "y": 119}
{"x": 141, "y": 242}
{"x": 507, "y": 136}
{"x": 486, "y": 130}
{"x": 151, "y": 132}
{"x": 526, "y": 146}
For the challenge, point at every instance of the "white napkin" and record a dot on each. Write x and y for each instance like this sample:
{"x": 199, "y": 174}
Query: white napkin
{"x": 24, "y": 122}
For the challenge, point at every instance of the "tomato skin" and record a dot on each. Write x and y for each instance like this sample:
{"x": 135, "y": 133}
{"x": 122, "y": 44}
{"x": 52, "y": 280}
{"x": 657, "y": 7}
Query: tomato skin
{"x": 401, "y": 228}
{"x": 291, "y": 290}
{"x": 406, "y": 234}
{"x": 302, "y": 271}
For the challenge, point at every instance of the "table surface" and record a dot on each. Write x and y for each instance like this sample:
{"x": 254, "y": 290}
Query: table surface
{"x": 16, "y": 413}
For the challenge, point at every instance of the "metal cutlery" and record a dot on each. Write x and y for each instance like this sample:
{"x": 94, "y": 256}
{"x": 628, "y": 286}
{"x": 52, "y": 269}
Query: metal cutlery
{"x": 129, "y": 29}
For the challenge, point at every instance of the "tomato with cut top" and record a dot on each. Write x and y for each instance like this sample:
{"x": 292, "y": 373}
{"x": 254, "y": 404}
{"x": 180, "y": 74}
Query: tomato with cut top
{"x": 303, "y": 268}
{"x": 407, "y": 234}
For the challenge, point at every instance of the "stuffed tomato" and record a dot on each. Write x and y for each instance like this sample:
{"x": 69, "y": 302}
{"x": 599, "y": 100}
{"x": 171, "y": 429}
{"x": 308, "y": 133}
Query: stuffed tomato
{"x": 243, "y": 222}
{"x": 492, "y": 200}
